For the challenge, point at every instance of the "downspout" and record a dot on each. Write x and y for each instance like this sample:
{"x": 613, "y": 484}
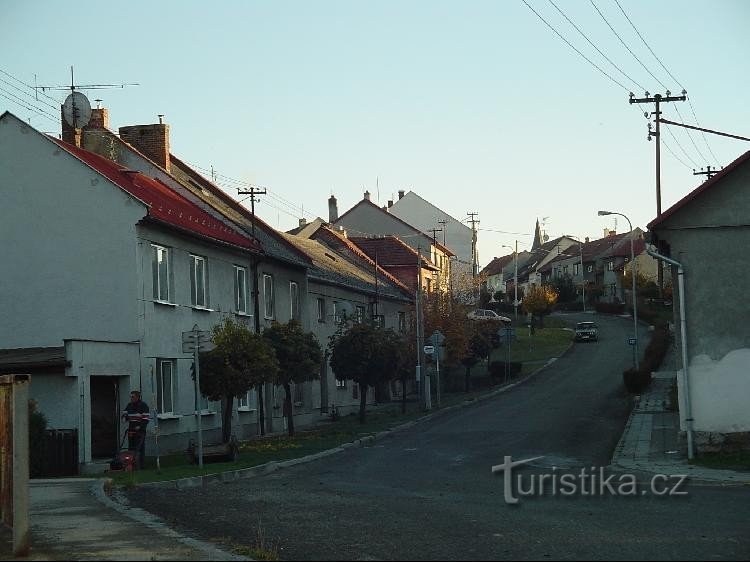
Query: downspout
{"x": 683, "y": 340}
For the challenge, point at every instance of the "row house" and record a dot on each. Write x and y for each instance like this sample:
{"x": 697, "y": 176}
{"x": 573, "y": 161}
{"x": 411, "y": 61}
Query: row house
{"x": 108, "y": 266}
{"x": 366, "y": 219}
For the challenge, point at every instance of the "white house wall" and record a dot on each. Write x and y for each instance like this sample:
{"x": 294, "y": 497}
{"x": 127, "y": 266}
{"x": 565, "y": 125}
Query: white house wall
{"x": 69, "y": 255}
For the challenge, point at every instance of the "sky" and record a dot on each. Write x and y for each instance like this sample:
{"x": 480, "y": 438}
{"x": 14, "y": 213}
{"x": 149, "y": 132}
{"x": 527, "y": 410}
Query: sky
{"x": 477, "y": 106}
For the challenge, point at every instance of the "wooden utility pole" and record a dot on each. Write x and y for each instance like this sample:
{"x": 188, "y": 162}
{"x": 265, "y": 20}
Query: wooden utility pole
{"x": 474, "y": 222}
{"x": 657, "y": 99}
{"x": 253, "y": 192}
{"x": 443, "y": 223}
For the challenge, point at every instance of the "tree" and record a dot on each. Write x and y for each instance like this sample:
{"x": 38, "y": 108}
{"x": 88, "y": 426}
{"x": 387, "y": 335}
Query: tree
{"x": 479, "y": 348}
{"x": 240, "y": 361}
{"x": 539, "y": 301}
{"x": 299, "y": 356}
{"x": 565, "y": 289}
{"x": 365, "y": 355}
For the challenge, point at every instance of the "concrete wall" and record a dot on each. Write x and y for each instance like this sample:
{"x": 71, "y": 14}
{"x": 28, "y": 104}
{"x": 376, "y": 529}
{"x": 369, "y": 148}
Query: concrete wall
{"x": 709, "y": 236}
{"x": 56, "y": 210}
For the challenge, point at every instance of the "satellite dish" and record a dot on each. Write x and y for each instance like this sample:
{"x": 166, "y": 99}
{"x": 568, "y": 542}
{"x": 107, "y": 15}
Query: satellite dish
{"x": 77, "y": 110}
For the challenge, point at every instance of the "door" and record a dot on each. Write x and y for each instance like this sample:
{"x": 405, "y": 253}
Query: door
{"x": 105, "y": 414}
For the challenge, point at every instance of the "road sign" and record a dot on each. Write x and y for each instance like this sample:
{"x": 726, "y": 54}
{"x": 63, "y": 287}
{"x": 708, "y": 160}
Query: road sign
{"x": 631, "y": 341}
{"x": 429, "y": 349}
{"x": 199, "y": 338}
{"x": 437, "y": 338}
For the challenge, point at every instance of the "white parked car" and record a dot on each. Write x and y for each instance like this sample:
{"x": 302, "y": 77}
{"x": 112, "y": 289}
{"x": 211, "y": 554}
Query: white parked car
{"x": 483, "y": 314}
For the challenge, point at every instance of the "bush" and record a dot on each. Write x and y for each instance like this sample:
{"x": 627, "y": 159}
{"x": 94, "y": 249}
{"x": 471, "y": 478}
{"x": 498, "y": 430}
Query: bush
{"x": 610, "y": 308}
{"x": 497, "y": 370}
{"x": 636, "y": 381}
{"x": 37, "y": 439}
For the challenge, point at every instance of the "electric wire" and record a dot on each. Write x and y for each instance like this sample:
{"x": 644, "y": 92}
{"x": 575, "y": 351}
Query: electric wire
{"x": 690, "y": 136}
{"x": 595, "y": 47}
{"x": 625, "y": 44}
{"x": 22, "y": 103}
{"x": 24, "y": 92}
{"x": 573, "y": 47}
{"x": 669, "y": 130}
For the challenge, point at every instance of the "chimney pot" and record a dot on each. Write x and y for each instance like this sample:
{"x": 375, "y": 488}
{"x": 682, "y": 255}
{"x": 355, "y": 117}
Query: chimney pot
{"x": 333, "y": 210}
{"x": 303, "y": 221}
{"x": 367, "y": 195}
{"x": 390, "y": 203}
{"x": 586, "y": 240}
{"x": 400, "y": 193}
{"x": 161, "y": 119}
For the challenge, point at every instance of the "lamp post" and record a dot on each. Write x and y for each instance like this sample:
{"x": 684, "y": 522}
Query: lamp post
{"x": 515, "y": 277}
{"x": 633, "y": 273}
{"x": 583, "y": 274}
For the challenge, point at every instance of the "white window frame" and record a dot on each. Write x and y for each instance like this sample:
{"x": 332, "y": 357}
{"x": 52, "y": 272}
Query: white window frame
{"x": 240, "y": 271}
{"x": 336, "y": 315}
{"x": 576, "y": 268}
{"x": 611, "y": 265}
{"x": 298, "y": 395}
{"x": 360, "y": 314}
{"x": 402, "y": 322}
{"x": 340, "y": 383}
{"x": 198, "y": 300}
{"x": 248, "y": 402}
{"x": 294, "y": 300}
{"x": 321, "y": 304}
{"x": 160, "y": 286}
{"x": 160, "y": 405}
{"x": 268, "y": 298}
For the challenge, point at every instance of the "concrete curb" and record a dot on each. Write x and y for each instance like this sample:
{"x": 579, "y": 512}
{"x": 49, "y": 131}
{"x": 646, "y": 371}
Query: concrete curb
{"x": 273, "y": 466}
{"x": 121, "y": 505}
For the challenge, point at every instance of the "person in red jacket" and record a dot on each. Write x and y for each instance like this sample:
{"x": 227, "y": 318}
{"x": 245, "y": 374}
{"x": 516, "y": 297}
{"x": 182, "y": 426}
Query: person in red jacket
{"x": 137, "y": 416}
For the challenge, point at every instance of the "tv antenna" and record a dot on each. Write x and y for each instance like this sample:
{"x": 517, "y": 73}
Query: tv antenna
{"x": 76, "y": 107}
{"x": 545, "y": 236}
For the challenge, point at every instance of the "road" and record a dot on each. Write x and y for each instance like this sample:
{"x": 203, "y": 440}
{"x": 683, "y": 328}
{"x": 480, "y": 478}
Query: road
{"x": 429, "y": 493}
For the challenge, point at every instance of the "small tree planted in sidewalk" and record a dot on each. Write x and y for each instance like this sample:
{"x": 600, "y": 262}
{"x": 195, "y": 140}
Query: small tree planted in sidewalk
{"x": 299, "y": 356}
{"x": 366, "y": 355}
{"x": 240, "y": 361}
{"x": 539, "y": 302}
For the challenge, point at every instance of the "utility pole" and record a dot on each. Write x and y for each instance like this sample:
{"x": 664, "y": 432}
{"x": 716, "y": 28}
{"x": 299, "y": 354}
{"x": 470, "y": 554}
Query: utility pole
{"x": 709, "y": 172}
{"x": 474, "y": 222}
{"x": 440, "y": 268}
{"x": 418, "y": 304}
{"x": 253, "y": 192}
{"x": 657, "y": 99}
{"x": 443, "y": 223}
{"x": 515, "y": 280}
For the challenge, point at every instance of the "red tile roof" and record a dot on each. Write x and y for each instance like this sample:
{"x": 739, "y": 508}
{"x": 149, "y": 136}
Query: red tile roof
{"x": 390, "y": 251}
{"x": 497, "y": 265}
{"x": 708, "y": 184}
{"x": 164, "y": 204}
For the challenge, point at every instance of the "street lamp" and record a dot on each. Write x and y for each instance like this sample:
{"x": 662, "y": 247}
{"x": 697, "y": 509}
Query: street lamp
{"x": 633, "y": 274}
{"x": 583, "y": 274}
{"x": 515, "y": 276}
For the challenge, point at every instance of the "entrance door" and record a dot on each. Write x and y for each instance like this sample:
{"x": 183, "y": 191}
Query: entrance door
{"x": 105, "y": 414}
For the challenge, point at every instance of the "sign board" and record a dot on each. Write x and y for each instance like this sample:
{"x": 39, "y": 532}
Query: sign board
{"x": 631, "y": 341}
{"x": 437, "y": 338}
{"x": 199, "y": 338}
{"x": 429, "y": 349}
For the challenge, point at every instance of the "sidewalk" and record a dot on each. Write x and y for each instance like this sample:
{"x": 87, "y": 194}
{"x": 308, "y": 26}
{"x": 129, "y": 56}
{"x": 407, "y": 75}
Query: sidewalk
{"x": 73, "y": 519}
{"x": 651, "y": 441}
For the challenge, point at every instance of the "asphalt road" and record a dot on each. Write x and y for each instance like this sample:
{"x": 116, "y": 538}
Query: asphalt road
{"x": 429, "y": 492}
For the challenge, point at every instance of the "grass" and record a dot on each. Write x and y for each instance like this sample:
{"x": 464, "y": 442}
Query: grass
{"x": 727, "y": 461}
{"x": 544, "y": 344}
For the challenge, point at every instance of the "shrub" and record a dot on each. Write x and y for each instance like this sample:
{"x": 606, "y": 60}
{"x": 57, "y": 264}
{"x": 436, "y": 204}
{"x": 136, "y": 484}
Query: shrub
{"x": 37, "y": 440}
{"x": 636, "y": 381}
{"x": 497, "y": 370}
{"x": 610, "y": 307}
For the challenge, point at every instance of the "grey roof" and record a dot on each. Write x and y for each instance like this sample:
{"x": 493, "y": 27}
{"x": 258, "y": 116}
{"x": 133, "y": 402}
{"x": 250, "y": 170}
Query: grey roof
{"x": 32, "y": 359}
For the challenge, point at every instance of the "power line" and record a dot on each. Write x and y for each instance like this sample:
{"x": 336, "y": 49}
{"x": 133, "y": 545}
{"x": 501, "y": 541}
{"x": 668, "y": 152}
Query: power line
{"x": 595, "y": 47}
{"x": 28, "y": 85}
{"x": 676, "y": 157}
{"x": 28, "y": 94}
{"x": 681, "y": 148}
{"x": 573, "y": 47}
{"x": 700, "y": 154}
{"x": 702, "y": 133}
{"x": 24, "y": 104}
{"x": 625, "y": 45}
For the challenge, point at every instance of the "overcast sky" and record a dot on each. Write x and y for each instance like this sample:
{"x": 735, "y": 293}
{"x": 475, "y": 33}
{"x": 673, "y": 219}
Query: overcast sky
{"x": 475, "y": 105}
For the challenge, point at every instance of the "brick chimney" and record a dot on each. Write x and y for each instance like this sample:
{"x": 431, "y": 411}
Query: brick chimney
{"x": 302, "y": 221}
{"x": 367, "y": 195}
{"x": 400, "y": 193}
{"x": 151, "y": 140}
{"x": 390, "y": 203}
{"x": 333, "y": 210}
{"x": 99, "y": 119}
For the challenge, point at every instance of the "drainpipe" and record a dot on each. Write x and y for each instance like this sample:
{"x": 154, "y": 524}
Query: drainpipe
{"x": 683, "y": 339}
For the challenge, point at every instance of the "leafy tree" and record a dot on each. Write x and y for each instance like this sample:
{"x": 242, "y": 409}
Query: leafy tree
{"x": 565, "y": 289}
{"x": 539, "y": 301}
{"x": 365, "y": 355}
{"x": 299, "y": 356}
{"x": 241, "y": 360}
{"x": 479, "y": 348}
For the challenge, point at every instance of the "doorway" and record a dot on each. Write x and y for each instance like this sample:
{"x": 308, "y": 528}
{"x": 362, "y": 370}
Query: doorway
{"x": 105, "y": 416}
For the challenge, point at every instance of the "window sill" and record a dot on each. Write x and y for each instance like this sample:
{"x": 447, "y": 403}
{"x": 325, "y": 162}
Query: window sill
{"x": 205, "y": 413}
{"x": 165, "y": 303}
{"x": 298, "y": 404}
{"x": 237, "y": 313}
{"x": 247, "y": 410}
{"x": 167, "y": 417}
{"x": 202, "y": 308}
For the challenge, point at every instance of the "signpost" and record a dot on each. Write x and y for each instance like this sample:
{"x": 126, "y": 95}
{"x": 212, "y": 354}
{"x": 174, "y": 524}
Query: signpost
{"x": 437, "y": 340}
{"x": 507, "y": 334}
{"x": 194, "y": 342}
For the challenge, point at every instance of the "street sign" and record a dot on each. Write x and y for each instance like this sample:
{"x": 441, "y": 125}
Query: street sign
{"x": 429, "y": 349}
{"x": 199, "y": 338}
{"x": 631, "y": 341}
{"x": 437, "y": 338}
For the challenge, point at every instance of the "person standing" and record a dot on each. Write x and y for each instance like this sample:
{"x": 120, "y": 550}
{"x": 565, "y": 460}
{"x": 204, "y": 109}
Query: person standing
{"x": 137, "y": 416}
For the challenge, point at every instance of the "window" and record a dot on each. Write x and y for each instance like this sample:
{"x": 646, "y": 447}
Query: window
{"x": 360, "y": 314}
{"x": 294, "y": 300}
{"x": 565, "y": 270}
{"x": 428, "y": 281}
{"x": 402, "y": 321}
{"x": 198, "y": 281}
{"x": 576, "y": 269}
{"x": 321, "y": 310}
{"x": 165, "y": 386}
{"x": 379, "y": 321}
{"x": 611, "y": 265}
{"x": 247, "y": 401}
{"x": 240, "y": 289}
{"x": 340, "y": 384}
{"x": 298, "y": 393}
{"x": 268, "y": 302}
{"x": 336, "y": 313}
{"x": 160, "y": 271}
{"x": 589, "y": 268}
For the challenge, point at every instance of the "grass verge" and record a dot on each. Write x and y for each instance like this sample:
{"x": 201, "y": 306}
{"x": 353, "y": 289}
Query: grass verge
{"x": 726, "y": 461}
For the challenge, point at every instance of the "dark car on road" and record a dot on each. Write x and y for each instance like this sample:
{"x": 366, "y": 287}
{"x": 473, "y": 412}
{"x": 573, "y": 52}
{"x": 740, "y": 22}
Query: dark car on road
{"x": 587, "y": 331}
